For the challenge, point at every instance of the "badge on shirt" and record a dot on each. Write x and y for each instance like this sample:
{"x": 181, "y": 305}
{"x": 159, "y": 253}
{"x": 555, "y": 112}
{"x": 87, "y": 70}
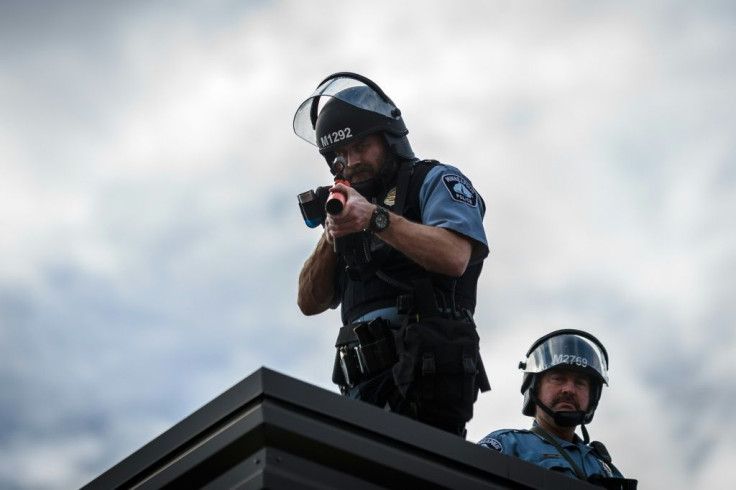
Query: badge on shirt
{"x": 460, "y": 189}
{"x": 550, "y": 456}
{"x": 390, "y": 198}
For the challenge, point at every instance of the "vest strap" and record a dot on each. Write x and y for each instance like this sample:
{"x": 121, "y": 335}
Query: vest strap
{"x": 547, "y": 437}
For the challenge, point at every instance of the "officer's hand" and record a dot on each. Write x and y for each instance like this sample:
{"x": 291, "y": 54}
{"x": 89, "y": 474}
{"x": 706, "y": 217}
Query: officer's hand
{"x": 355, "y": 216}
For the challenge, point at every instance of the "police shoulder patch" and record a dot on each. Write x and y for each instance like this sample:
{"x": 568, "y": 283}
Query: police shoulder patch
{"x": 460, "y": 189}
{"x": 492, "y": 444}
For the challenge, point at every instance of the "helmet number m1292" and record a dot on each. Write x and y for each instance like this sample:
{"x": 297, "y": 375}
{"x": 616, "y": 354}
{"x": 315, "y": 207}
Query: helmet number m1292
{"x": 335, "y": 136}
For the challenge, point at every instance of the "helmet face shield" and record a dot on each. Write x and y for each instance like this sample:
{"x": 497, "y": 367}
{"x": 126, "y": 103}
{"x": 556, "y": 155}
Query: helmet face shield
{"x": 364, "y": 97}
{"x": 568, "y": 351}
{"x": 344, "y": 108}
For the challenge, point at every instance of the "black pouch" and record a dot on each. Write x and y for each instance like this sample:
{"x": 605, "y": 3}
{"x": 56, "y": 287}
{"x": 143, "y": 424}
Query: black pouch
{"x": 345, "y": 375}
{"x": 440, "y": 366}
{"x": 363, "y": 348}
{"x": 376, "y": 350}
{"x": 350, "y": 365}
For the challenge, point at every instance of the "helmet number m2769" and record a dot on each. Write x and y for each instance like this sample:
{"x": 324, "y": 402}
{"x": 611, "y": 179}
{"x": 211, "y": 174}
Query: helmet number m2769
{"x": 569, "y": 359}
{"x": 335, "y": 136}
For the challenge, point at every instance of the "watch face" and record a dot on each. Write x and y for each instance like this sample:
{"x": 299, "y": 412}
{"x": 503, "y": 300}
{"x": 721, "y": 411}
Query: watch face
{"x": 379, "y": 220}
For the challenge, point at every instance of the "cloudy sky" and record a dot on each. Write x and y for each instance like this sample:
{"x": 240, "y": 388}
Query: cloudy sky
{"x": 151, "y": 240}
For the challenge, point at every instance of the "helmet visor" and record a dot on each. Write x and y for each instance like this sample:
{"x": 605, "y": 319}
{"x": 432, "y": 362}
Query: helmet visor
{"x": 347, "y": 89}
{"x": 568, "y": 351}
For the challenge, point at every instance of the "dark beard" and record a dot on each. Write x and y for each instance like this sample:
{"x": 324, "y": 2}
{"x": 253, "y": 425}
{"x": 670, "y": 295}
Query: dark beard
{"x": 376, "y": 186}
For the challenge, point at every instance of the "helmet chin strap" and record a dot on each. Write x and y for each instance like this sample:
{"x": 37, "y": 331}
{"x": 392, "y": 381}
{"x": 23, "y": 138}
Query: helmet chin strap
{"x": 565, "y": 418}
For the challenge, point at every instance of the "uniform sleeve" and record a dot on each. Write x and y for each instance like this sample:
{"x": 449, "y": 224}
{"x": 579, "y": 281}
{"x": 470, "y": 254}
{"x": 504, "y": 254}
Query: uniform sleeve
{"x": 499, "y": 441}
{"x": 449, "y": 200}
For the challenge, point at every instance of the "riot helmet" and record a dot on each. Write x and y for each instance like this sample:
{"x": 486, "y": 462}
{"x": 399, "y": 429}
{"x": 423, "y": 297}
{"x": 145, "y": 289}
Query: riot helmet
{"x": 345, "y": 107}
{"x": 568, "y": 349}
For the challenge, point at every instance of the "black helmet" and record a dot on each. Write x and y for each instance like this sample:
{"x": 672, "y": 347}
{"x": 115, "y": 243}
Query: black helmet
{"x": 570, "y": 349}
{"x": 347, "y": 106}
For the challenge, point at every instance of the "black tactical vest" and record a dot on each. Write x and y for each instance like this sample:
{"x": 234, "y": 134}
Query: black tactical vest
{"x": 372, "y": 275}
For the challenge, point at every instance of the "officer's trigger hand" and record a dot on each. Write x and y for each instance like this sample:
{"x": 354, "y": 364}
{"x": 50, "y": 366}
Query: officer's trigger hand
{"x": 342, "y": 188}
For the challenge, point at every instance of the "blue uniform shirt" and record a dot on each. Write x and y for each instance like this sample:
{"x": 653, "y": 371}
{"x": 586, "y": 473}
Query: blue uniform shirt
{"x": 530, "y": 447}
{"x": 448, "y": 200}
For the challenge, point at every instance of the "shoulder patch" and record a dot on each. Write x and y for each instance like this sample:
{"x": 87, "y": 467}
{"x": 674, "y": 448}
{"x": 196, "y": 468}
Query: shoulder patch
{"x": 491, "y": 443}
{"x": 460, "y": 189}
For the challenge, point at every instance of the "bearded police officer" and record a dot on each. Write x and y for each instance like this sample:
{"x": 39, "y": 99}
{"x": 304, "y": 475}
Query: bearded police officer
{"x": 564, "y": 374}
{"x": 402, "y": 257}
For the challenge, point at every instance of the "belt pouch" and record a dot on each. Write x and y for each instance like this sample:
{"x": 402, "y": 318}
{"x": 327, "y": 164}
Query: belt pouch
{"x": 350, "y": 364}
{"x": 376, "y": 351}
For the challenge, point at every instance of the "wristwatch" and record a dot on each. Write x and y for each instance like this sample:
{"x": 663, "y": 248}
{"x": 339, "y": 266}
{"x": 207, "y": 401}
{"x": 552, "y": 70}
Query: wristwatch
{"x": 379, "y": 220}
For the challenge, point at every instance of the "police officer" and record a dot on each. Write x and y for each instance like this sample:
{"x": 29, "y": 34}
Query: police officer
{"x": 564, "y": 374}
{"x": 408, "y": 244}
